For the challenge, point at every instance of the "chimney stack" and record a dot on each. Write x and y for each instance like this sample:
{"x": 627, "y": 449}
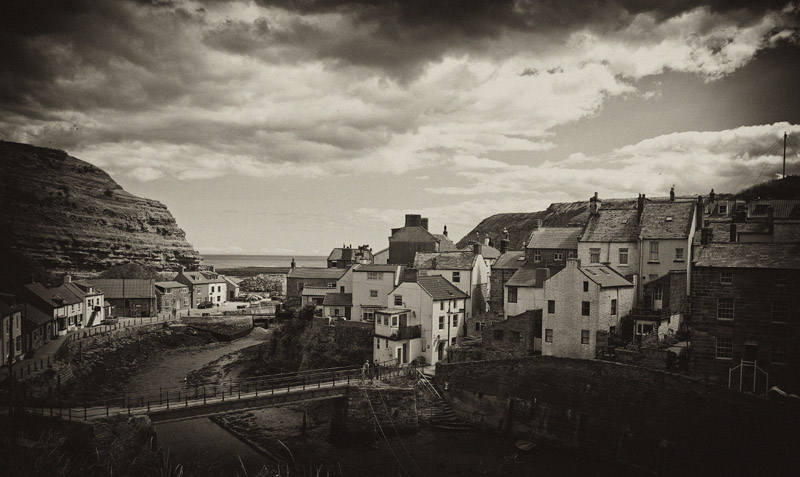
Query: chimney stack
{"x": 537, "y": 223}
{"x": 573, "y": 263}
{"x": 67, "y": 278}
{"x": 477, "y": 248}
{"x": 505, "y": 233}
{"x": 733, "y": 233}
{"x": 672, "y": 194}
{"x": 640, "y": 206}
{"x": 504, "y": 245}
{"x": 413, "y": 220}
{"x": 423, "y": 222}
{"x": 444, "y": 232}
{"x": 293, "y": 264}
{"x": 594, "y": 204}
{"x": 541, "y": 274}
{"x": 698, "y": 211}
{"x": 486, "y": 240}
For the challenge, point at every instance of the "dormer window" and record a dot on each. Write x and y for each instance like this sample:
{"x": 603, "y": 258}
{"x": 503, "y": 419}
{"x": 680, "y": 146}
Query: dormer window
{"x": 668, "y": 219}
{"x": 722, "y": 209}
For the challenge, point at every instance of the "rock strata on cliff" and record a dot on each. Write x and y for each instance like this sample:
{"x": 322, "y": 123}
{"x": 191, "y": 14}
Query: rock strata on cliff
{"x": 65, "y": 214}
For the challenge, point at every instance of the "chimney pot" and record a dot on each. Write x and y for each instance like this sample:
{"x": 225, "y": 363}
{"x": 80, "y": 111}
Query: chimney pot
{"x": 477, "y": 248}
{"x": 444, "y": 232}
{"x": 672, "y": 194}
{"x": 504, "y": 245}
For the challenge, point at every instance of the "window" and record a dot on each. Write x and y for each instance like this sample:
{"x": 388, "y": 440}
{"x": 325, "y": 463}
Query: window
{"x": 398, "y": 300}
{"x": 456, "y": 277}
{"x": 453, "y": 341}
{"x": 780, "y": 312}
{"x": 585, "y": 337}
{"x": 498, "y": 335}
{"x": 537, "y": 255}
{"x": 373, "y": 293}
{"x": 378, "y": 344}
{"x": 551, "y": 306}
{"x": 613, "y": 306}
{"x": 653, "y": 251}
{"x": 331, "y": 284}
{"x": 571, "y": 253}
{"x": 512, "y": 294}
{"x": 548, "y": 335}
{"x": 726, "y": 278}
{"x": 374, "y": 275}
{"x": 594, "y": 255}
{"x": 725, "y": 308}
{"x": 779, "y": 353}
{"x": 367, "y": 316}
{"x": 679, "y": 253}
{"x": 585, "y": 286}
{"x": 515, "y": 336}
{"x": 386, "y": 320}
{"x": 455, "y": 321}
{"x": 441, "y": 305}
{"x": 658, "y": 294}
{"x": 722, "y": 209}
{"x": 558, "y": 256}
{"x": 586, "y": 308}
{"x": 441, "y": 322}
{"x": 623, "y": 256}
{"x": 724, "y": 348}
{"x": 335, "y": 312}
{"x": 394, "y": 320}
{"x": 479, "y": 326}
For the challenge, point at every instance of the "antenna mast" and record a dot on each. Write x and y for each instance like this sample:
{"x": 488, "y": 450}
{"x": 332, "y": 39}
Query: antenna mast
{"x": 784, "y": 155}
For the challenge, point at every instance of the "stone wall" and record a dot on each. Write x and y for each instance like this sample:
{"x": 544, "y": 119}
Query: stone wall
{"x": 514, "y": 337}
{"x": 652, "y": 420}
{"x": 393, "y": 408}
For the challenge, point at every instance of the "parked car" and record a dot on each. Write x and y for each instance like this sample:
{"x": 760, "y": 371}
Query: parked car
{"x": 110, "y": 321}
{"x": 205, "y": 304}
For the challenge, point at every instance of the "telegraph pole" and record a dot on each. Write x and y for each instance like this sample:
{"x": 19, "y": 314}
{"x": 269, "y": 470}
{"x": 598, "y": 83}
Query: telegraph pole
{"x": 784, "y": 155}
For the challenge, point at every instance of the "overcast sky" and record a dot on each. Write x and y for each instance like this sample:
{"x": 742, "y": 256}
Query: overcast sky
{"x": 294, "y": 126}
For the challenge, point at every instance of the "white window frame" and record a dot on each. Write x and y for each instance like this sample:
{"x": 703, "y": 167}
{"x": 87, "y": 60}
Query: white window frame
{"x": 726, "y": 348}
{"x": 515, "y": 292}
{"x": 594, "y": 255}
{"x": 456, "y": 277}
{"x": 548, "y": 335}
{"x": 723, "y": 312}
{"x": 558, "y": 256}
{"x": 623, "y": 256}
{"x": 653, "y": 252}
{"x": 679, "y": 254}
{"x": 537, "y": 255}
{"x": 726, "y": 277}
{"x": 586, "y": 337}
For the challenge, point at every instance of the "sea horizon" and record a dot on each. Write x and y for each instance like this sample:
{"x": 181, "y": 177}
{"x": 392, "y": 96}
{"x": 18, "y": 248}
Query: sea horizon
{"x": 219, "y": 260}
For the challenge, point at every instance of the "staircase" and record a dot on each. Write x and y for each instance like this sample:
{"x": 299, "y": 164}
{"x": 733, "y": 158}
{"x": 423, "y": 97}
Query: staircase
{"x": 446, "y": 419}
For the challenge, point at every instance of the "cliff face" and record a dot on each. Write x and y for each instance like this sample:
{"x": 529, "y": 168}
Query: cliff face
{"x": 64, "y": 214}
{"x": 520, "y": 225}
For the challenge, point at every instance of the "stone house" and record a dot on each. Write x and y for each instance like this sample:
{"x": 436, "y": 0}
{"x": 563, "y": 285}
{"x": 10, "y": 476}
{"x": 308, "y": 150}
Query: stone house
{"x": 583, "y": 305}
{"x": 36, "y": 327}
{"x": 611, "y": 237}
{"x": 465, "y": 269}
{"x": 515, "y": 337}
{"x": 666, "y": 232}
{"x": 414, "y": 237}
{"x": 346, "y": 257}
{"x": 550, "y": 247}
{"x": 745, "y": 312}
{"x": 525, "y": 290}
{"x": 204, "y": 286}
{"x": 338, "y": 305}
{"x": 94, "y": 310}
{"x": 301, "y": 277}
{"x": 663, "y": 306}
{"x": 315, "y": 296}
{"x": 231, "y": 287}
{"x": 61, "y": 304}
{"x": 438, "y": 307}
{"x": 502, "y": 271}
{"x": 128, "y": 296}
{"x": 172, "y": 296}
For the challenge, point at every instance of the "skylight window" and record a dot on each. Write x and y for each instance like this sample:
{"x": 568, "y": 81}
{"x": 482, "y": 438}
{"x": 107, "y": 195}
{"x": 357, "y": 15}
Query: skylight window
{"x": 668, "y": 219}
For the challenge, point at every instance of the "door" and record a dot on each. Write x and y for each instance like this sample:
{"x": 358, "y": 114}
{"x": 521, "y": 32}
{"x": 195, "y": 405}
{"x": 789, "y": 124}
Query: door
{"x": 405, "y": 353}
{"x": 440, "y": 351}
{"x": 751, "y": 350}
{"x": 401, "y": 357}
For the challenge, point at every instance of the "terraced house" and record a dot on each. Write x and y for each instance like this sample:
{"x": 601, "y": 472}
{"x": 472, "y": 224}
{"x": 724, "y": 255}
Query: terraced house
{"x": 467, "y": 270}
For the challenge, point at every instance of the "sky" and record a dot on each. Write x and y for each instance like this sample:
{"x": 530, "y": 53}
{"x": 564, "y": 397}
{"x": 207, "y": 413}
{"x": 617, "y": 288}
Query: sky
{"x": 296, "y": 126}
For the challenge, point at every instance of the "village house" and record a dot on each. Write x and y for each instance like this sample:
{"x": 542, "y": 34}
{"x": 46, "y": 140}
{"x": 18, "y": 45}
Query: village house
{"x": 338, "y": 305}
{"x": 300, "y": 278}
{"x": 438, "y": 306}
{"x": 397, "y": 336}
{"x": 381, "y": 257}
{"x": 465, "y": 269}
{"x": 413, "y": 237}
{"x": 488, "y": 252}
{"x": 231, "y": 287}
{"x": 745, "y": 315}
{"x": 525, "y": 290}
{"x": 584, "y": 304}
{"x": 37, "y": 326}
{"x": 759, "y": 220}
{"x": 315, "y": 296}
{"x": 11, "y": 323}
{"x": 128, "y": 296}
{"x": 611, "y": 237}
{"x": 346, "y": 257}
{"x": 663, "y": 307}
{"x": 502, "y": 270}
{"x": 666, "y": 231}
{"x": 550, "y": 247}
{"x": 63, "y": 306}
{"x": 172, "y": 296}
{"x": 369, "y": 285}
{"x": 516, "y": 337}
{"x": 94, "y": 305}
{"x": 205, "y": 287}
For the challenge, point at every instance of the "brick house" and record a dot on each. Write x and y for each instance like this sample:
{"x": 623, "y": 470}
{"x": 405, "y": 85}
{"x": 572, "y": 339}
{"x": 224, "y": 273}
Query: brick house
{"x": 663, "y": 306}
{"x": 745, "y": 309}
{"x": 414, "y": 237}
{"x": 172, "y": 296}
{"x": 502, "y": 271}
{"x": 204, "y": 286}
{"x": 583, "y": 305}
{"x": 551, "y": 246}
{"x": 465, "y": 269}
{"x": 314, "y": 277}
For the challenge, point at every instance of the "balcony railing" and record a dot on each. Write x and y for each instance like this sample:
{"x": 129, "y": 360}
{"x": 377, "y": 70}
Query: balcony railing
{"x": 401, "y": 333}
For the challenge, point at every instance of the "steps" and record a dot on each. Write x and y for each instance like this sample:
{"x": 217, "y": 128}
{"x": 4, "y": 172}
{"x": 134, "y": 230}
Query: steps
{"x": 447, "y": 419}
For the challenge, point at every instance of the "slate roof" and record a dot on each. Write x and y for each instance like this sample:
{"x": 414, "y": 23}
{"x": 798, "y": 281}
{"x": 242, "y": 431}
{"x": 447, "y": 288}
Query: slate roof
{"x": 338, "y": 299}
{"x": 526, "y": 277}
{"x": 83, "y": 285}
{"x": 317, "y": 291}
{"x": 336, "y": 254}
{"x": 6, "y": 310}
{"x": 440, "y": 288}
{"x": 445, "y": 244}
{"x": 377, "y": 268}
{"x": 200, "y": 278}
{"x": 487, "y": 251}
{"x": 749, "y": 255}
{"x": 231, "y": 281}
{"x": 554, "y": 238}
{"x": 392, "y": 311}
{"x": 605, "y": 276}
{"x": 133, "y": 287}
{"x": 170, "y": 284}
{"x": 50, "y": 296}
{"x": 612, "y": 225}
{"x": 666, "y": 220}
{"x": 510, "y": 260}
{"x": 782, "y": 209}
{"x": 36, "y": 315}
{"x": 412, "y": 234}
{"x": 316, "y": 272}
{"x": 457, "y": 260}
{"x": 77, "y": 291}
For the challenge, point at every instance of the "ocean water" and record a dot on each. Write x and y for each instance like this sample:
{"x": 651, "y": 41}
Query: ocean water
{"x": 242, "y": 261}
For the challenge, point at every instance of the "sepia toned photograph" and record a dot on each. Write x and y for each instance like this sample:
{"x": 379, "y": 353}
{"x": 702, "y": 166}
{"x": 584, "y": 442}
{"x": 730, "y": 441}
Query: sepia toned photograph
{"x": 337, "y": 238}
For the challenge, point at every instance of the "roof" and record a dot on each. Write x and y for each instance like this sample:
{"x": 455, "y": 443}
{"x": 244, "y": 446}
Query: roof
{"x": 526, "y": 277}
{"x": 130, "y": 287}
{"x": 170, "y": 284}
{"x": 198, "y": 278}
{"x": 782, "y": 209}
{"x": 338, "y": 299}
{"x": 317, "y": 291}
{"x": 555, "y": 238}
{"x": 377, "y": 268}
{"x": 316, "y": 272}
{"x": 84, "y": 286}
{"x": 392, "y": 311}
{"x": 231, "y": 281}
{"x": 487, "y": 251}
{"x": 37, "y": 315}
{"x": 384, "y": 250}
{"x": 750, "y": 255}
{"x": 445, "y": 244}
{"x": 666, "y": 220}
{"x": 78, "y": 291}
{"x": 510, "y": 260}
{"x": 336, "y": 254}
{"x": 52, "y": 297}
{"x": 6, "y": 310}
{"x": 439, "y": 288}
{"x": 457, "y": 260}
{"x": 413, "y": 234}
{"x": 612, "y": 225}
{"x": 605, "y": 276}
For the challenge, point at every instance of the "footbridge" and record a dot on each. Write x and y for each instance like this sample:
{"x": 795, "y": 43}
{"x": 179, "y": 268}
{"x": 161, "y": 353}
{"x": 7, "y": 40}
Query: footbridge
{"x": 207, "y": 399}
